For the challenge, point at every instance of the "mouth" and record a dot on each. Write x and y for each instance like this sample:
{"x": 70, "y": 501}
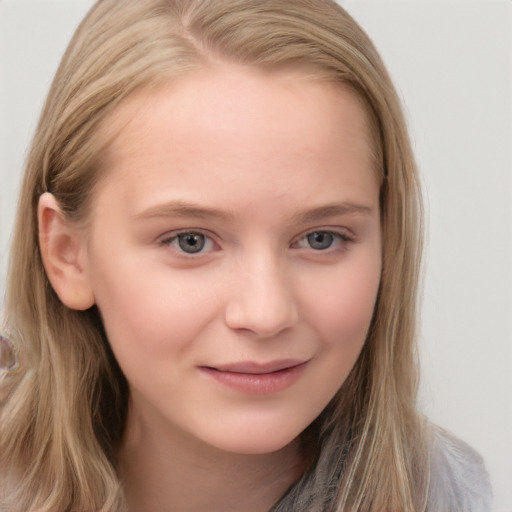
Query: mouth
{"x": 253, "y": 368}
{"x": 256, "y": 378}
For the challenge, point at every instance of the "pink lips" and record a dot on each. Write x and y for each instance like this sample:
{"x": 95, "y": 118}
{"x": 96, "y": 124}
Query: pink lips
{"x": 257, "y": 379}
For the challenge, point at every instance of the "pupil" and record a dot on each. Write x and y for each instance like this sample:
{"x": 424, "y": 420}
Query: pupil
{"x": 191, "y": 242}
{"x": 320, "y": 240}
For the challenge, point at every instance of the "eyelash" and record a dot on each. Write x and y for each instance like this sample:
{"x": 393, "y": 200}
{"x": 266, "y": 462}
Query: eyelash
{"x": 174, "y": 237}
{"x": 340, "y": 241}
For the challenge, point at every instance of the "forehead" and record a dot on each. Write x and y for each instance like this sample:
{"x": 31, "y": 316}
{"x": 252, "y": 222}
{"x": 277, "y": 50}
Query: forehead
{"x": 239, "y": 129}
{"x": 226, "y": 95}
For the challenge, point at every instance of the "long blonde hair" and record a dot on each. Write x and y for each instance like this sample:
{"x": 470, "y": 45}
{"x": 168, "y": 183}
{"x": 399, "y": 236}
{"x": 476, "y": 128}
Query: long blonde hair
{"x": 63, "y": 422}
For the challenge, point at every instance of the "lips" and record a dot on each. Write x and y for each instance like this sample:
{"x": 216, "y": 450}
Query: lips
{"x": 254, "y": 368}
{"x": 256, "y": 378}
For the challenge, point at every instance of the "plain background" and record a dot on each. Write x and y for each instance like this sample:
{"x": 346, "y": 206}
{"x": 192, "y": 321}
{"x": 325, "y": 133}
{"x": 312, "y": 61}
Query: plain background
{"x": 451, "y": 61}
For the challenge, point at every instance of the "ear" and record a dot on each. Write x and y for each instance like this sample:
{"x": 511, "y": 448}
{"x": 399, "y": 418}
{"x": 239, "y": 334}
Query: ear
{"x": 62, "y": 247}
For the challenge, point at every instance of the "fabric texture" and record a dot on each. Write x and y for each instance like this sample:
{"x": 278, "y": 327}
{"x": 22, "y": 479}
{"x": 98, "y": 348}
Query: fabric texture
{"x": 458, "y": 479}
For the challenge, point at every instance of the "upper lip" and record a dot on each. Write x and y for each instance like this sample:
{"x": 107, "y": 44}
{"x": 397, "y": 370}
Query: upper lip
{"x": 256, "y": 368}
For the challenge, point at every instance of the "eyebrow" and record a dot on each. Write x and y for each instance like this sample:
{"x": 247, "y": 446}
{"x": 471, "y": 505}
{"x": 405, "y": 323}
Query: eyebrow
{"x": 331, "y": 210}
{"x": 186, "y": 209}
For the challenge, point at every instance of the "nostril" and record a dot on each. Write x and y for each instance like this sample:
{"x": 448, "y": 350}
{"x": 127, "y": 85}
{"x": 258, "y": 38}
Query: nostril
{"x": 262, "y": 298}
{"x": 265, "y": 319}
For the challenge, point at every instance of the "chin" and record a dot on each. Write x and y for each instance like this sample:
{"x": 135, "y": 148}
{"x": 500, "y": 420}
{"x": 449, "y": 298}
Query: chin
{"x": 257, "y": 443}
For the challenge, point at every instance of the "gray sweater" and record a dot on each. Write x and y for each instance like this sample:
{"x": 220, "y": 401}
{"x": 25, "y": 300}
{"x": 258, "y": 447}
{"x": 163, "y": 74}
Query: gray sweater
{"x": 458, "y": 479}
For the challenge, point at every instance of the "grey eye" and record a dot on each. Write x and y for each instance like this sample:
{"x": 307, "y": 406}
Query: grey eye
{"x": 191, "y": 243}
{"x": 320, "y": 240}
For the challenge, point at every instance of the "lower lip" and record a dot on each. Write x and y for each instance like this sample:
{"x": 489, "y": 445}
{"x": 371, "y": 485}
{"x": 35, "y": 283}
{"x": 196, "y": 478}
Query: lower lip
{"x": 257, "y": 384}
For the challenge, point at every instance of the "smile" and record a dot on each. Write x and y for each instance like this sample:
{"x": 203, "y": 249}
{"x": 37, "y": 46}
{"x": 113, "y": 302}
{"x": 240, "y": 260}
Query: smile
{"x": 257, "y": 379}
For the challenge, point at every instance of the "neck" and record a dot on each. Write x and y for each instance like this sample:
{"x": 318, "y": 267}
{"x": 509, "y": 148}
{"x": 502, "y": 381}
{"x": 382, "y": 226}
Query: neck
{"x": 165, "y": 470}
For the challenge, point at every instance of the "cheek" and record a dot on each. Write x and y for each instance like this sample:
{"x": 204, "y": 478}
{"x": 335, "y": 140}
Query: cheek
{"x": 341, "y": 316}
{"x": 342, "y": 308}
{"x": 150, "y": 312}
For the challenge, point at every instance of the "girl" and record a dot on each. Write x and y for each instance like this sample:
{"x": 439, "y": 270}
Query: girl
{"x": 214, "y": 271}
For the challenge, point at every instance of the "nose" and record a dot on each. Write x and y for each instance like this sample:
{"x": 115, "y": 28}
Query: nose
{"x": 262, "y": 300}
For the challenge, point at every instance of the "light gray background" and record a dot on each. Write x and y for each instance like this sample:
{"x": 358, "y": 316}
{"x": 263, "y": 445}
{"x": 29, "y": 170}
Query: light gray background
{"x": 451, "y": 61}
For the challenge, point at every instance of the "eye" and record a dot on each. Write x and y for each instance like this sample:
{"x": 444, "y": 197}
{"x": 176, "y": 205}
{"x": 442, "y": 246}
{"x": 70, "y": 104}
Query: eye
{"x": 189, "y": 242}
{"x": 321, "y": 240}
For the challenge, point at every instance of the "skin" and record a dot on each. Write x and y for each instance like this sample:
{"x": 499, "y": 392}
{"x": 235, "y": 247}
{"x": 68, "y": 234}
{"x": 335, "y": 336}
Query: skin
{"x": 251, "y": 163}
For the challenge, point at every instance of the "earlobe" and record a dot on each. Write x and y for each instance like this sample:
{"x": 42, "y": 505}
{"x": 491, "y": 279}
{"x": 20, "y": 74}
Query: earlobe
{"x": 61, "y": 244}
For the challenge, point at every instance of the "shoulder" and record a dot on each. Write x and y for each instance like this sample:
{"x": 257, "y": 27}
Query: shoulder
{"x": 458, "y": 479}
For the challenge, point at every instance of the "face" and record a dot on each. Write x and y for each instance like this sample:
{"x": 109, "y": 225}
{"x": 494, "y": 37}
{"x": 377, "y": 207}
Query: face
{"x": 234, "y": 252}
